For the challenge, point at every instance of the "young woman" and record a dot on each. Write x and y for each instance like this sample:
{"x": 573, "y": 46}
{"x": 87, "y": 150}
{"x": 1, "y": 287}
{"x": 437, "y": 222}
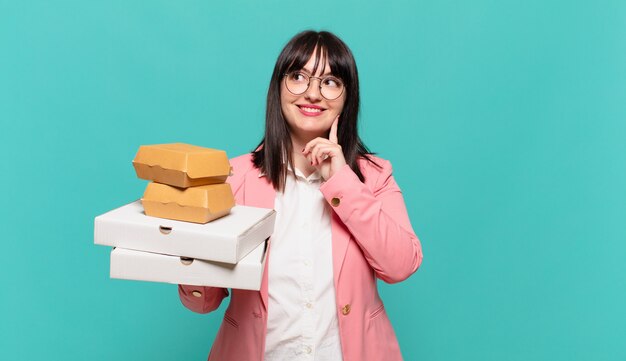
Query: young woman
{"x": 341, "y": 222}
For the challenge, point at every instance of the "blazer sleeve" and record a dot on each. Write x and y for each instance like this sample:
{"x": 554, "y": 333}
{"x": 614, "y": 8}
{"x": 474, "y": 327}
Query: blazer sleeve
{"x": 202, "y": 299}
{"x": 377, "y": 219}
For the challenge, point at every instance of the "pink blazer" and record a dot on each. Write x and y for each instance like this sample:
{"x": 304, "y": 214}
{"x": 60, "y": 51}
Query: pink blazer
{"x": 372, "y": 238}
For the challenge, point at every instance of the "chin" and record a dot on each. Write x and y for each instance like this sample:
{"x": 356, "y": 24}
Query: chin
{"x": 313, "y": 126}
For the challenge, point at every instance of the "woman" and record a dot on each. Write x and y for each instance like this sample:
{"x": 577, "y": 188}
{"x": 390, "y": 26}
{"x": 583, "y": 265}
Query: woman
{"x": 341, "y": 222}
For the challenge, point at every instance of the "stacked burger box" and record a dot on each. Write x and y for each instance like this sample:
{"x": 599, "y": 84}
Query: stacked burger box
{"x": 188, "y": 182}
{"x": 187, "y": 228}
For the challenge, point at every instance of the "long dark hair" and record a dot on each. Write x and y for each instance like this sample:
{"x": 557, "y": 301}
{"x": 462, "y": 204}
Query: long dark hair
{"x": 276, "y": 143}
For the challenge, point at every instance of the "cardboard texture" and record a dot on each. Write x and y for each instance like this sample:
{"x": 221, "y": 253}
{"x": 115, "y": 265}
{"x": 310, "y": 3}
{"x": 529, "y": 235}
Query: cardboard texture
{"x": 181, "y": 165}
{"x": 145, "y": 266}
{"x": 227, "y": 239}
{"x": 200, "y": 204}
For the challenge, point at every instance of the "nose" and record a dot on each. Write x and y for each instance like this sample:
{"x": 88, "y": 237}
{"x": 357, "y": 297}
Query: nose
{"x": 313, "y": 91}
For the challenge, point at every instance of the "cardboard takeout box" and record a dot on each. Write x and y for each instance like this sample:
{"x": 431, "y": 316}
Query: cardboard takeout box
{"x": 199, "y": 204}
{"x": 145, "y": 266}
{"x": 227, "y": 239}
{"x": 181, "y": 165}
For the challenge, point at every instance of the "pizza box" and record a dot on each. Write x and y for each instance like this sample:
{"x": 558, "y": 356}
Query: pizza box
{"x": 227, "y": 239}
{"x": 146, "y": 266}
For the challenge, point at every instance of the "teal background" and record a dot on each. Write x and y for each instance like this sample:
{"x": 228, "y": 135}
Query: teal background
{"x": 505, "y": 122}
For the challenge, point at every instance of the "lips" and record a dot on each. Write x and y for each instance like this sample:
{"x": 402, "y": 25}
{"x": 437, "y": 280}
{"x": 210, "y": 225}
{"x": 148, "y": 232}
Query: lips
{"x": 310, "y": 110}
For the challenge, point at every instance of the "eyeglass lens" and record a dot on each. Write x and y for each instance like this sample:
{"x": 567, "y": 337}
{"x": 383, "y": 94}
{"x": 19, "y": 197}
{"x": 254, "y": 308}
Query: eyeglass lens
{"x": 298, "y": 82}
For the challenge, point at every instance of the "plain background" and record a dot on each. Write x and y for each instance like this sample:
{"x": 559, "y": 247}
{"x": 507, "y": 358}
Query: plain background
{"x": 504, "y": 120}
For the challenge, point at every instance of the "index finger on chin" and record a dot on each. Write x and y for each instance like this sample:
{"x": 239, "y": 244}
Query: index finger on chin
{"x": 332, "y": 136}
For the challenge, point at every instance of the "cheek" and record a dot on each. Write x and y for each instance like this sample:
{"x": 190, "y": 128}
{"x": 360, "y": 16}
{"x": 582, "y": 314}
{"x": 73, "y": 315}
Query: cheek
{"x": 286, "y": 98}
{"x": 340, "y": 103}
{"x": 283, "y": 100}
{"x": 285, "y": 108}
{"x": 339, "y": 107}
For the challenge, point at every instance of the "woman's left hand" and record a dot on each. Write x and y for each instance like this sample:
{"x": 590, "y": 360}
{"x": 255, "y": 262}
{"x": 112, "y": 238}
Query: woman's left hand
{"x": 326, "y": 154}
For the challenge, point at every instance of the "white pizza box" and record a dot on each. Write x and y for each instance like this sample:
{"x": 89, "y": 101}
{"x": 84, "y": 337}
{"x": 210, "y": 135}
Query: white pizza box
{"x": 227, "y": 239}
{"x": 146, "y": 266}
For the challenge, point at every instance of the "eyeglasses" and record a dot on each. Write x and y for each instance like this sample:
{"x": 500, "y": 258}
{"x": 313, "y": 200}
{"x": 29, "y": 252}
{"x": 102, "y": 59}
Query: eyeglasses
{"x": 298, "y": 82}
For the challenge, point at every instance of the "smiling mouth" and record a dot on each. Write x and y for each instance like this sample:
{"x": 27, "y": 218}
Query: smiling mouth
{"x": 313, "y": 110}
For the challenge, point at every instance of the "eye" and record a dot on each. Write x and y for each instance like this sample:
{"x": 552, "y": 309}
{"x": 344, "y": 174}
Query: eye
{"x": 332, "y": 82}
{"x": 298, "y": 77}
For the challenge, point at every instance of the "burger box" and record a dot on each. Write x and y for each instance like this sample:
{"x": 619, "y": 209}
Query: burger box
{"x": 199, "y": 204}
{"x": 227, "y": 239}
{"x": 181, "y": 165}
{"x": 145, "y": 266}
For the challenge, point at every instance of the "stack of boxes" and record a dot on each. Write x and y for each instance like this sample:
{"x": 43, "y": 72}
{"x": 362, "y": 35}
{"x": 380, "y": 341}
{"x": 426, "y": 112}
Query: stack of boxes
{"x": 187, "y": 182}
{"x": 191, "y": 232}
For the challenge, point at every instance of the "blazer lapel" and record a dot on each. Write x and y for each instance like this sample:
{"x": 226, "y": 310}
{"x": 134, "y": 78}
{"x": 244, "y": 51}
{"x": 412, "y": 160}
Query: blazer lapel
{"x": 258, "y": 192}
{"x": 340, "y": 238}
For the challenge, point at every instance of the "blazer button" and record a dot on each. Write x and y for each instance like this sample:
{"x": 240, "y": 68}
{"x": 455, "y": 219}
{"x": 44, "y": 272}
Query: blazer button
{"x": 345, "y": 310}
{"x": 196, "y": 293}
{"x": 335, "y": 202}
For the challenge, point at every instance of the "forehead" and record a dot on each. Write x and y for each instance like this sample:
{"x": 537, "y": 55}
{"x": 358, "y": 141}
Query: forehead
{"x": 318, "y": 66}
{"x": 313, "y": 61}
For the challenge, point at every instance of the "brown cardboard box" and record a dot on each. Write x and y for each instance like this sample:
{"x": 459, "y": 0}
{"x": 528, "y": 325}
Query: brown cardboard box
{"x": 181, "y": 165}
{"x": 200, "y": 204}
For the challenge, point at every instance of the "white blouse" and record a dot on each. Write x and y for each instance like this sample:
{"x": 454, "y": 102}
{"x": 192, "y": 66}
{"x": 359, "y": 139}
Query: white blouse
{"x": 302, "y": 317}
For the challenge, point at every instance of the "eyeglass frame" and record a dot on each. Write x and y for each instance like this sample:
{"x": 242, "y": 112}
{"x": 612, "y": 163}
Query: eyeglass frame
{"x": 343, "y": 86}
